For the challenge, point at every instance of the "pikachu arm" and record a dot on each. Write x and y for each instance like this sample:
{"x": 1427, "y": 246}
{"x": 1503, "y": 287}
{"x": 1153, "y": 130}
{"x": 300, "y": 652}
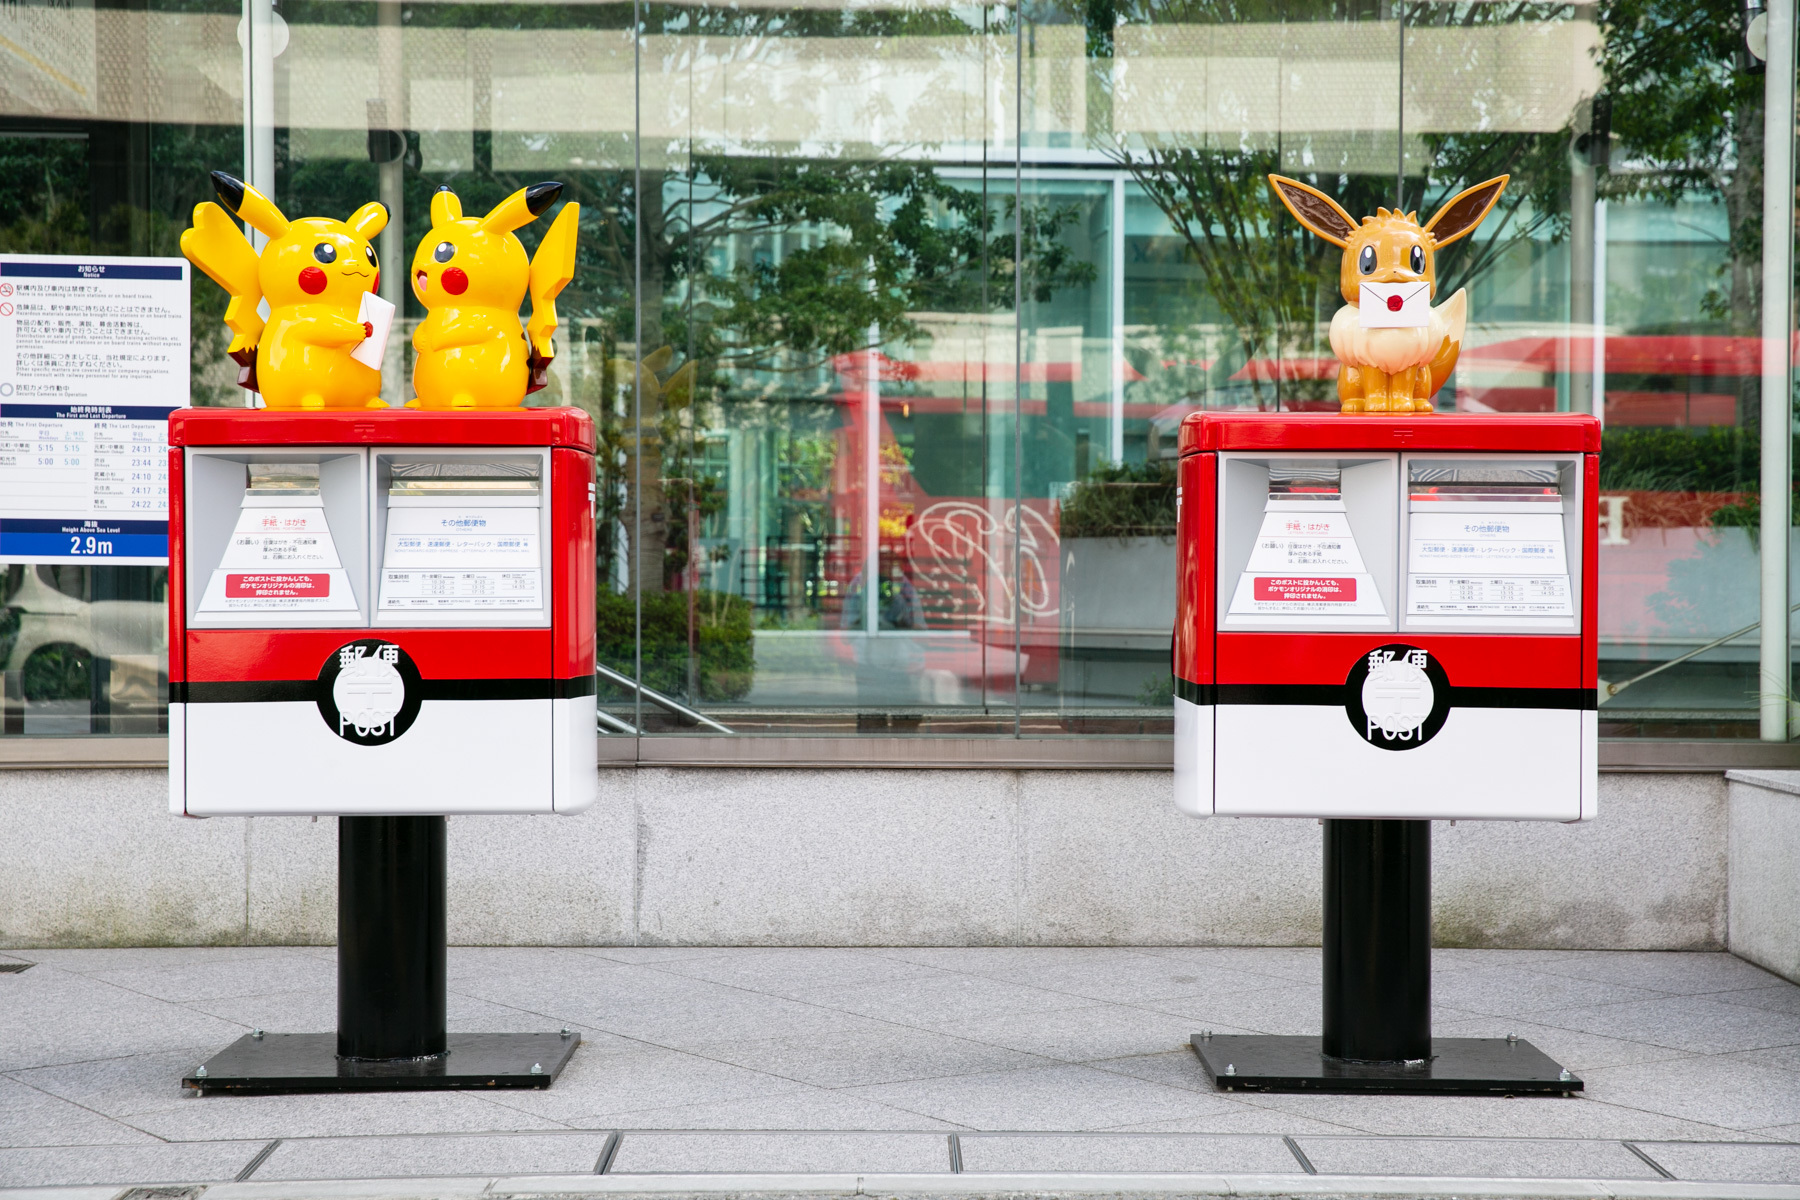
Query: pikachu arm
{"x": 327, "y": 328}
{"x": 450, "y": 333}
{"x": 552, "y": 267}
{"x": 216, "y": 246}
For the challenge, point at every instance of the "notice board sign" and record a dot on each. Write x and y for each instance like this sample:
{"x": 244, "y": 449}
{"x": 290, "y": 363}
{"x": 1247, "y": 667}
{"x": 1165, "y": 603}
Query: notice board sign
{"x": 93, "y": 358}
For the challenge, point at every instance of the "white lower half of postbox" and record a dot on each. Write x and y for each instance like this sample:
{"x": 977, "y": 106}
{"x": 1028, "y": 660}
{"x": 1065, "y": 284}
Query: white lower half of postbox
{"x": 280, "y": 758}
{"x": 1308, "y": 760}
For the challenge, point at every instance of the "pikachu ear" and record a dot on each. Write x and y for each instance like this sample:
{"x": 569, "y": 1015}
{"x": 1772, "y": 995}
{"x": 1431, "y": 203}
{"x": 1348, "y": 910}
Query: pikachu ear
{"x": 1314, "y": 209}
{"x": 369, "y": 220}
{"x": 521, "y": 208}
{"x": 257, "y": 210}
{"x": 445, "y": 207}
{"x": 1465, "y": 211}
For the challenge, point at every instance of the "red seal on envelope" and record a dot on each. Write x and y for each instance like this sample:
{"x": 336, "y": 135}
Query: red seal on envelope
{"x": 1395, "y": 305}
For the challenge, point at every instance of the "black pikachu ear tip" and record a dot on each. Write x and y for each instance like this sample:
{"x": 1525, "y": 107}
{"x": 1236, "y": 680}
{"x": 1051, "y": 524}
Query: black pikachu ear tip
{"x": 540, "y": 196}
{"x": 229, "y": 189}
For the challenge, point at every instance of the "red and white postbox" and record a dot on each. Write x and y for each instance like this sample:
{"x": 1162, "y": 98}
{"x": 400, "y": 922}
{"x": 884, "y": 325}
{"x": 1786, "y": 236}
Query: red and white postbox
{"x": 381, "y": 612}
{"x": 1383, "y": 617}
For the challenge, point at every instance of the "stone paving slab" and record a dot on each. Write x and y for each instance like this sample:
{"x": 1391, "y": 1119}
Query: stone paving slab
{"x": 1008, "y": 1064}
{"x": 780, "y": 1153}
{"x": 441, "y": 1155}
{"x": 1138, "y": 1154}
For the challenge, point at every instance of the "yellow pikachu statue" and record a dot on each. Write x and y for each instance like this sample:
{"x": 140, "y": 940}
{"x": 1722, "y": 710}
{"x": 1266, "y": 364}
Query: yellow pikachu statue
{"x": 314, "y": 273}
{"x": 471, "y": 275}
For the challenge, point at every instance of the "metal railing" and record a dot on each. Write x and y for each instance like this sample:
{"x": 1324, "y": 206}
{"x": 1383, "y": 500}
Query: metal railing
{"x": 668, "y": 704}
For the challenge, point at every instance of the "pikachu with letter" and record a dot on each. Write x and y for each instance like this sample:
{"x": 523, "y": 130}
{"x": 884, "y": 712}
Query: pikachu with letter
{"x": 1395, "y": 348}
{"x": 315, "y": 273}
{"x": 471, "y": 274}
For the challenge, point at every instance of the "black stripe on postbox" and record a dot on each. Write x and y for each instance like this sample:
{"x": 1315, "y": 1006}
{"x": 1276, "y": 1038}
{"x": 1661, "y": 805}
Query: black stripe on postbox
{"x": 305, "y": 691}
{"x": 1331, "y": 695}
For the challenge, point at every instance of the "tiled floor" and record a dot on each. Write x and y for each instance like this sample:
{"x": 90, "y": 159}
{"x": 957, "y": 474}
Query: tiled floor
{"x": 911, "y": 1061}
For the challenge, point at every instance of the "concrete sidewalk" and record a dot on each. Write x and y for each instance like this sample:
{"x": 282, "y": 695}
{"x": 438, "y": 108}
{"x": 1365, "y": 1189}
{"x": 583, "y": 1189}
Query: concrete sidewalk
{"x": 952, "y": 1071}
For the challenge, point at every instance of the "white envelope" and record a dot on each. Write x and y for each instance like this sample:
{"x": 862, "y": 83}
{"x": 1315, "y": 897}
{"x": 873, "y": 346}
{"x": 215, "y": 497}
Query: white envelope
{"x": 1378, "y": 309}
{"x": 379, "y": 314}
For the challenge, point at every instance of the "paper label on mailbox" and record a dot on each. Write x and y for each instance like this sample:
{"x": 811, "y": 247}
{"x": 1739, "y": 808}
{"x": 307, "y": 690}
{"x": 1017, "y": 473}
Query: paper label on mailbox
{"x": 1484, "y": 565}
{"x": 461, "y": 558}
{"x": 266, "y": 585}
{"x": 279, "y": 559}
{"x": 1288, "y": 588}
{"x": 1305, "y": 563}
{"x": 1487, "y": 543}
{"x": 1490, "y": 595}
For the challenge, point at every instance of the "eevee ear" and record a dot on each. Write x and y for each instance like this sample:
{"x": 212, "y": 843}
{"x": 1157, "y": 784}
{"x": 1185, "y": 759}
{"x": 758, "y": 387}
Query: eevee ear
{"x": 257, "y": 210}
{"x": 1314, "y": 209}
{"x": 368, "y": 220}
{"x": 1465, "y": 211}
{"x": 521, "y": 208}
{"x": 445, "y": 207}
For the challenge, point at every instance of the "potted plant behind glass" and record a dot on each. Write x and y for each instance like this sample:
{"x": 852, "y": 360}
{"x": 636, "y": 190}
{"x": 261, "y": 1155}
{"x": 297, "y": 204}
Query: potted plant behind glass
{"x": 1117, "y": 560}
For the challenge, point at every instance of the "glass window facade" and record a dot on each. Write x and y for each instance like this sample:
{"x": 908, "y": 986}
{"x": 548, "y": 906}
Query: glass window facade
{"x": 888, "y": 310}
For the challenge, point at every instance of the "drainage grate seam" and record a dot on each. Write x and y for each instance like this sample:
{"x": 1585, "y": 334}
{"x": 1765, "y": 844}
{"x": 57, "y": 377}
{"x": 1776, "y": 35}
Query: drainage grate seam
{"x": 955, "y": 1155}
{"x": 1300, "y": 1155}
{"x": 1650, "y": 1162}
{"x": 13, "y": 968}
{"x": 262, "y": 1156}
{"x": 608, "y": 1152}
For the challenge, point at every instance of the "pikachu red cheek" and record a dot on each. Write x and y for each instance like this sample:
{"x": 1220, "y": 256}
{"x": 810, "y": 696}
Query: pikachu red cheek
{"x": 455, "y": 281}
{"x": 312, "y": 281}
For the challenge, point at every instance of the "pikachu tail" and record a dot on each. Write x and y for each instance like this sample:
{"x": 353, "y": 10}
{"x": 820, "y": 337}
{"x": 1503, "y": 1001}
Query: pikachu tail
{"x": 216, "y": 246}
{"x": 551, "y": 270}
{"x": 1455, "y": 314}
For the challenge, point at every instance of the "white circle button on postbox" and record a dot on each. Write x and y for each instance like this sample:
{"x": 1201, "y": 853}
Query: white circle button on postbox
{"x": 369, "y": 694}
{"x": 1397, "y": 697}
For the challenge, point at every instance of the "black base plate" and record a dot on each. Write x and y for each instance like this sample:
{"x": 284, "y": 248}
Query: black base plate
{"x": 1466, "y": 1066}
{"x": 308, "y": 1062}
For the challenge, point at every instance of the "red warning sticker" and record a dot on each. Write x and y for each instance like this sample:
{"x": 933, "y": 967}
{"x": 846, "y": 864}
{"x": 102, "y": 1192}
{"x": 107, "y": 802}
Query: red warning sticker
{"x": 273, "y": 587}
{"x": 1288, "y": 587}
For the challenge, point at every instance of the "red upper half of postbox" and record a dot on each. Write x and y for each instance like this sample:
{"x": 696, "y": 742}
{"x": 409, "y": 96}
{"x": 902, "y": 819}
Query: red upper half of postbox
{"x": 1503, "y": 433}
{"x": 569, "y": 428}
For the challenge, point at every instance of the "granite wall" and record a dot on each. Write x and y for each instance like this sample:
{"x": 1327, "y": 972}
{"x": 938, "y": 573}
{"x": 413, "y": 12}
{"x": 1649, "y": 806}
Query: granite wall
{"x": 854, "y": 857}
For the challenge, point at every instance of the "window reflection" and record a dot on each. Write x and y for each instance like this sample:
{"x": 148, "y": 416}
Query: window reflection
{"x": 888, "y": 310}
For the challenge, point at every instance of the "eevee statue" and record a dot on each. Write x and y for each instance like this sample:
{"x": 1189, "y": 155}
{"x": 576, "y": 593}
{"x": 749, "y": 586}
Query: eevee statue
{"x": 1395, "y": 348}
{"x": 314, "y": 273}
{"x": 471, "y": 275}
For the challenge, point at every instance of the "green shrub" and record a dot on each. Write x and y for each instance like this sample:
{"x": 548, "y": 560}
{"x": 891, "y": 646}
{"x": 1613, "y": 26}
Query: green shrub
{"x": 1720, "y": 458}
{"x": 1122, "y": 500}
{"x": 722, "y": 642}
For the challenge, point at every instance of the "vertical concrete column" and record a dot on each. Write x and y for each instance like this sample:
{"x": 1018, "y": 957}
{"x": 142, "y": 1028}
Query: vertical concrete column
{"x": 1777, "y": 388}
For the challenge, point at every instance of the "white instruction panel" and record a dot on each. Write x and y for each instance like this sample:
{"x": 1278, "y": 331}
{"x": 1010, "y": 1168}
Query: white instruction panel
{"x": 440, "y": 558}
{"x": 279, "y": 559}
{"x": 1306, "y": 562}
{"x": 1487, "y": 564}
{"x": 93, "y": 357}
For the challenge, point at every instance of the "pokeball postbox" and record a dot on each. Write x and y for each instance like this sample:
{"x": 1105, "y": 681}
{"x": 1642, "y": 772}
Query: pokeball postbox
{"x": 1383, "y": 620}
{"x": 1384, "y": 617}
{"x": 381, "y": 612}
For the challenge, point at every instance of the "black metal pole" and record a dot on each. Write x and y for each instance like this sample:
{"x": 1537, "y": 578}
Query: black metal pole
{"x": 1377, "y": 940}
{"x": 391, "y": 934}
